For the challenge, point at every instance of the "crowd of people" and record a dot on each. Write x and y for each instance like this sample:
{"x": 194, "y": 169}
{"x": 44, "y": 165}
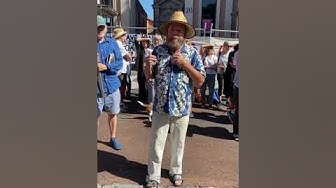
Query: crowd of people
{"x": 172, "y": 74}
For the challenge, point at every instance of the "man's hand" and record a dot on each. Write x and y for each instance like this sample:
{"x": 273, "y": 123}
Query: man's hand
{"x": 150, "y": 82}
{"x": 222, "y": 67}
{"x": 128, "y": 57}
{"x": 101, "y": 67}
{"x": 178, "y": 59}
{"x": 150, "y": 60}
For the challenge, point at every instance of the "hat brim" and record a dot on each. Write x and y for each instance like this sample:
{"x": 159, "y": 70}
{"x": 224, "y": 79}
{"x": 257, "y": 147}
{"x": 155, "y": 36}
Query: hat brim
{"x": 190, "y": 33}
{"x": 208, "y": 46}
{"x": 119, "y": 35}
{"x": 101, "y": 24}
{"x": 143, "y": 39}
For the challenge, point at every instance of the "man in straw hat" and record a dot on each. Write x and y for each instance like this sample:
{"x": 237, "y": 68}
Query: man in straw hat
{"x": 175, "y": 67}
{"x": 124, "y": 73}
{"x": 109, "y": 63}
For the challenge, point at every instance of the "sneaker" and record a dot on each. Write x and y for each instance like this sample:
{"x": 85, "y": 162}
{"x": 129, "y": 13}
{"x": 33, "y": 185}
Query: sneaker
{"x": 236, "y": 137}
{"x": 115, "y": 144}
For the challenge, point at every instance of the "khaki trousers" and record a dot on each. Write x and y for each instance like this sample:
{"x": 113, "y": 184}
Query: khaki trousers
{"x": 178, "y": 130}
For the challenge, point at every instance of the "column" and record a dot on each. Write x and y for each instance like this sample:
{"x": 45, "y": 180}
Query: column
{"x": 218, "y": 5}
{"x": 188, "y": 10}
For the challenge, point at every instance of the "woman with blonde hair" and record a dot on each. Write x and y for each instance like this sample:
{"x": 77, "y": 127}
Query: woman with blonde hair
{"x": 210, "y": 65}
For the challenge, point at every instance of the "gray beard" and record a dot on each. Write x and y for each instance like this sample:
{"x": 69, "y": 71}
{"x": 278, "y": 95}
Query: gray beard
{"x": 175, "y": 45}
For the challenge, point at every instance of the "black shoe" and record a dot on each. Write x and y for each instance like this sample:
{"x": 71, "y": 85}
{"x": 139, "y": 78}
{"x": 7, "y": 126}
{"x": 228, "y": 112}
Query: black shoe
{"x": 236, "y": 137}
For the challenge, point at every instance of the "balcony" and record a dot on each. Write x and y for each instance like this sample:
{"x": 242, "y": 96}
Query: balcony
{"x": 106, "y": 10}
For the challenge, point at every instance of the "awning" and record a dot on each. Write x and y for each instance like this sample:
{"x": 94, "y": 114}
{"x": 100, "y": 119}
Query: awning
{"x": 106, "y": 11}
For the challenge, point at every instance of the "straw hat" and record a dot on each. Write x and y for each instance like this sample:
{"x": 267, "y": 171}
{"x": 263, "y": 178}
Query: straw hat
{"x": 118, "y": 32}
{"x": 178, "y": 17}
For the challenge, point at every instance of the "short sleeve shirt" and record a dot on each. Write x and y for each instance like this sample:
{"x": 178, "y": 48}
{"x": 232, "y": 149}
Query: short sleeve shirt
{"x": 173, "y": 86}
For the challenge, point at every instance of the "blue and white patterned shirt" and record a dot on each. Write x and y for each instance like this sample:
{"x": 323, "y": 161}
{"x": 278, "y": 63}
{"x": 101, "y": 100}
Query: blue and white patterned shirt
{"x": 173, "y": 86}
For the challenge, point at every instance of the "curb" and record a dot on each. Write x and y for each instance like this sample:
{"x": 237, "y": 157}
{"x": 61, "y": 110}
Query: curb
{"x": 141, "y": 186}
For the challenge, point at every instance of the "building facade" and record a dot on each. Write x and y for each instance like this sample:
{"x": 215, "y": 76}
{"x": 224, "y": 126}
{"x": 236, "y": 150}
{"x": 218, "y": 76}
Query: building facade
{"x": 150, "y": 26}
{"x": 127, "y": 13}
{"x": 107, "y": 9}
{"x": 220, "y": 14}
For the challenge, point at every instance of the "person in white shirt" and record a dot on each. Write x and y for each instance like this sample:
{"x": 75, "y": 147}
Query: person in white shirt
{"x": 223, "y": 57}
{"x": 120, "y": 35}
{"x": 210, "y": 65}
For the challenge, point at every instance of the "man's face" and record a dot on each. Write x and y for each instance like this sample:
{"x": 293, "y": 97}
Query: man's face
{"x": 101, "y": 32}
{"x": 176, "y": 36}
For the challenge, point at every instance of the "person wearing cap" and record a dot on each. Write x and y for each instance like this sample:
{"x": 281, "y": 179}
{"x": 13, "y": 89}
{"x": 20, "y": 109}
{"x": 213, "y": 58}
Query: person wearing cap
{"x": 175, "y": 68}
{"x": 124, "y": 73}
{"x": 109, "y": 63}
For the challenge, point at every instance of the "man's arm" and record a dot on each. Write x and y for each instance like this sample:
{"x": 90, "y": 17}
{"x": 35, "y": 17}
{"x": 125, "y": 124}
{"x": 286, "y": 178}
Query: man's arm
{"x": 126, "y": 55}
{"x": 115, "y": 66}
{"x": 194, "y": 69}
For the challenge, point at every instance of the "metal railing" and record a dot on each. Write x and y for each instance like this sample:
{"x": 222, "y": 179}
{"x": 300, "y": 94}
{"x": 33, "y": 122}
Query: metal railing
{"x": 205, "y": 36}
{"x": 199, "y": 31}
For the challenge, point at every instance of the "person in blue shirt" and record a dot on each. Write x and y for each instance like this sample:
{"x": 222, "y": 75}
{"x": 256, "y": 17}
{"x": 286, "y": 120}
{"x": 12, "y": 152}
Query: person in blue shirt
{"x": 176, "y": 68}
{"x": 109, "y": 63}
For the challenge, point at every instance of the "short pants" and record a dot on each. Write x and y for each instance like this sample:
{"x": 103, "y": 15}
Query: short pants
{"x": 111, "y": 104}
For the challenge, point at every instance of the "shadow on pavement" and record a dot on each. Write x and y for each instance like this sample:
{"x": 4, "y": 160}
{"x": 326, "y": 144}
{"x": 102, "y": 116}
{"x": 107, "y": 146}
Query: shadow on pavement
{"x": 215, "y": 132}
{"x": 120, "y": 166}
{"x": 221, "y": 119}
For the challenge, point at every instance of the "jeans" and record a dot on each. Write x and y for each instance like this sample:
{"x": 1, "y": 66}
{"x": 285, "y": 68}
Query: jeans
{"x": 210, "y": 81}
{"x": 220, "y": 80}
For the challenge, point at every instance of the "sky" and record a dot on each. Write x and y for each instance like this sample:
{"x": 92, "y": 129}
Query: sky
{"x": 147, "y": 5}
